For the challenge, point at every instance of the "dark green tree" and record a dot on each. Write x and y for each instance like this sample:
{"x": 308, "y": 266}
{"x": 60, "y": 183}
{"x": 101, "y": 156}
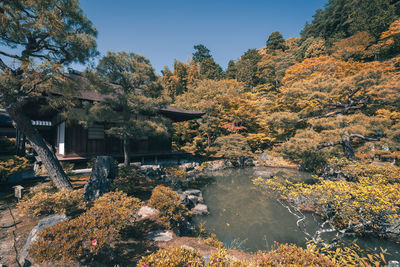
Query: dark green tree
{"x": 201, "y": 52}
{"x": 41, "y": 37}
{"x": 231, "y": 70}
{"x": 344, "y": 18}
{"x": 247, "y": 68}
{"x": 210, "y": 70}
{"x": 276, "y": 41}
{"x": 134, "y": 98}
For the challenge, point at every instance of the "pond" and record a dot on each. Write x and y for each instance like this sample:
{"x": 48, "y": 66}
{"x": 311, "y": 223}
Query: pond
{"x": 242, "y": 216}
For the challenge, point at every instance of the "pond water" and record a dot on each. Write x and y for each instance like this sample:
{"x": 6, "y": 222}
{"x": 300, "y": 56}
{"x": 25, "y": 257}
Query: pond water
{"x": 242, "y": 216}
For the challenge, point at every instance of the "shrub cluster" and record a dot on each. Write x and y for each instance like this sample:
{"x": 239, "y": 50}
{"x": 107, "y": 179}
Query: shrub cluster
{"x": 173, "y": 257}
{"x": 45, "y": 199}
{"x": 12, "y": 165}
{"x": 171, "y": 211}
{"x": 292, "y": 255}
{"x": 213, "y": 241}
{"x": 89, "y": 234}
{"x": 370, "y": 202}
{"x": 127, "y": 180}
{"x": 221, "y": 258}
{"x": 176, "y": 172}
{"x": 283, "y": 255}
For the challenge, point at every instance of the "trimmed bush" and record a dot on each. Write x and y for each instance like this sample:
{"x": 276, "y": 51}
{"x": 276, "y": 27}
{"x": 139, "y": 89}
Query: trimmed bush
{"x": 89, "y": 234}
{"x": 171, "y": 211}
{"x": 172, "y": 257}
{"x": 12, "y": 165}
{"x": 127, "y": 180}
{"x": 45, "y": 199}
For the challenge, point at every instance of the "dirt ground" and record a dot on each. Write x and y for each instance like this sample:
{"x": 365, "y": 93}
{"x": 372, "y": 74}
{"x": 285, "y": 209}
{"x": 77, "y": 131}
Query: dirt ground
{"x": 14, "y": 230}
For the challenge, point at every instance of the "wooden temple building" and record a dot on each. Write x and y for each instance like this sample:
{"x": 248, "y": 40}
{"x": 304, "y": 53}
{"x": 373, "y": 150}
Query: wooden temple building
{"x": 71, "y": 141}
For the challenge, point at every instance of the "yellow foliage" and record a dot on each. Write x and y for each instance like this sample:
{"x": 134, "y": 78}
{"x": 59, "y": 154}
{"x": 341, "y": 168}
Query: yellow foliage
{"x": 213, "y": 241}
{"x": 172, "y": 257}
{"x": 88, "y": 234}
{"x": 12, "y": 165}
{"x": 45, "y": 199}
{"x": 369, "y": 203}
{"x": 291, "y": 255}
{"x": 167, "y": 202}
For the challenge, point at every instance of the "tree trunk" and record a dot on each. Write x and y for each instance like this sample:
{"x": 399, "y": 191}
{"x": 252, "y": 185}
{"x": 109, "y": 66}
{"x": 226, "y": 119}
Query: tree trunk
{"x": 347, "y": 147}
{"x": 47, "y": 157}
{"x": 127, "y": 158}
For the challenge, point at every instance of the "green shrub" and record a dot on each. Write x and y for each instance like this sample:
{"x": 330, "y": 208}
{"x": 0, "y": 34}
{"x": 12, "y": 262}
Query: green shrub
{"x": 171, "y": 211}
{"x": 12, "y": 165}
{"x": 172, "y": 257}
{"x": 127, "y": 180}
{"x": 45, "y": 199}
{"x": 89, "y": 234}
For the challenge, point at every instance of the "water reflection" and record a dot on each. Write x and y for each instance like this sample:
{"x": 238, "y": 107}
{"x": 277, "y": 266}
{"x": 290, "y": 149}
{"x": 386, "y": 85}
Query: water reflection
{"x": 244, "y": 217}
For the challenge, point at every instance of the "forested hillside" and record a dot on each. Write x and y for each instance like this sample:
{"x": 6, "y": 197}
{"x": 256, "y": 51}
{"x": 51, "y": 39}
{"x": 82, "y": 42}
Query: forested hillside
{"x": 332, "y": 92}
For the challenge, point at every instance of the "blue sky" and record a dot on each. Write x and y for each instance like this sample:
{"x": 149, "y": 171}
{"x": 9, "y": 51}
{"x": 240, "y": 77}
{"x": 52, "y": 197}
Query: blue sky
{"x": 166, "y": 30}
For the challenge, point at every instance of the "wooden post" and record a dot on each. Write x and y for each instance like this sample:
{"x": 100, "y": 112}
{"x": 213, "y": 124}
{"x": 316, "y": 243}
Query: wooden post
{"x": 18, "y": 191}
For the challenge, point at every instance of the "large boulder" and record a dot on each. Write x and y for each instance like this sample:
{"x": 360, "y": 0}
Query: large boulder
{"x": 104, "y": 170}
{"x": 264, "y": 157}
{"x": 42, "y": 224}
{"x": 191, "y": 198}
{"x": 161, "y": 236}
{"x": 146, "y": 212}
{"x": 199, "y": 210}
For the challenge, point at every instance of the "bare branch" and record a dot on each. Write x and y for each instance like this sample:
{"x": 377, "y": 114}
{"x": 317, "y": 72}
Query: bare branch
{"x": 323, "y": 145}
{"x": 10, "y": 55}
{"x": 364, "y": 138}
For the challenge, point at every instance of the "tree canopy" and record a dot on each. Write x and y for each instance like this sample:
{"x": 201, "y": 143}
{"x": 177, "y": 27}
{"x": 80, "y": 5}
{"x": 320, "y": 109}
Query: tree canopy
{"x": 41, "y": 37}
{"x": 134, "y": 98}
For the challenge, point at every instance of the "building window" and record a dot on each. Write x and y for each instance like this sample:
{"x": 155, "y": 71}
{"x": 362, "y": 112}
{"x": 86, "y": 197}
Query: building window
{"x": 96, "y": 132}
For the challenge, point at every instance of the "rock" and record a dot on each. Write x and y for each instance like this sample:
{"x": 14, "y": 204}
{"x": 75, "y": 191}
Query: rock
{"x": 228, "y": 164}
{"x": 161, "y": 236}
{"x": 188, "y": 166}
{"x": 393, "y": 264}
{"x": 191, "y": 198}
{"x": 217, "y": 165}
{"x": 153, "y": 171}
{"x": 248, "y": 162}
{"x": 200, "y": 209}
{"x": 195, "y": 199}
{"x": 263, "y": 174}
{"x": 187, "y": 247}
{"x": 104, "y": 170}
{"x": 192, "y": 192}
{"x": 264, "y": 157}
{"x": 394, "y": 228}
{"x": 146, "y": 211}
{"x": 42, "y": 224}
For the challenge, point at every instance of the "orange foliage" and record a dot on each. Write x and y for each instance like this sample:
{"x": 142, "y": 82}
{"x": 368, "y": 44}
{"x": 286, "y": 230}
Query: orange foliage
{"x": 327, "y": 65}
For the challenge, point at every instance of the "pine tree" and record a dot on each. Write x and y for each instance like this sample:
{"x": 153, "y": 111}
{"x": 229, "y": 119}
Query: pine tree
{"x": 131, "y": 108}
{"x": 42, "y": 37}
